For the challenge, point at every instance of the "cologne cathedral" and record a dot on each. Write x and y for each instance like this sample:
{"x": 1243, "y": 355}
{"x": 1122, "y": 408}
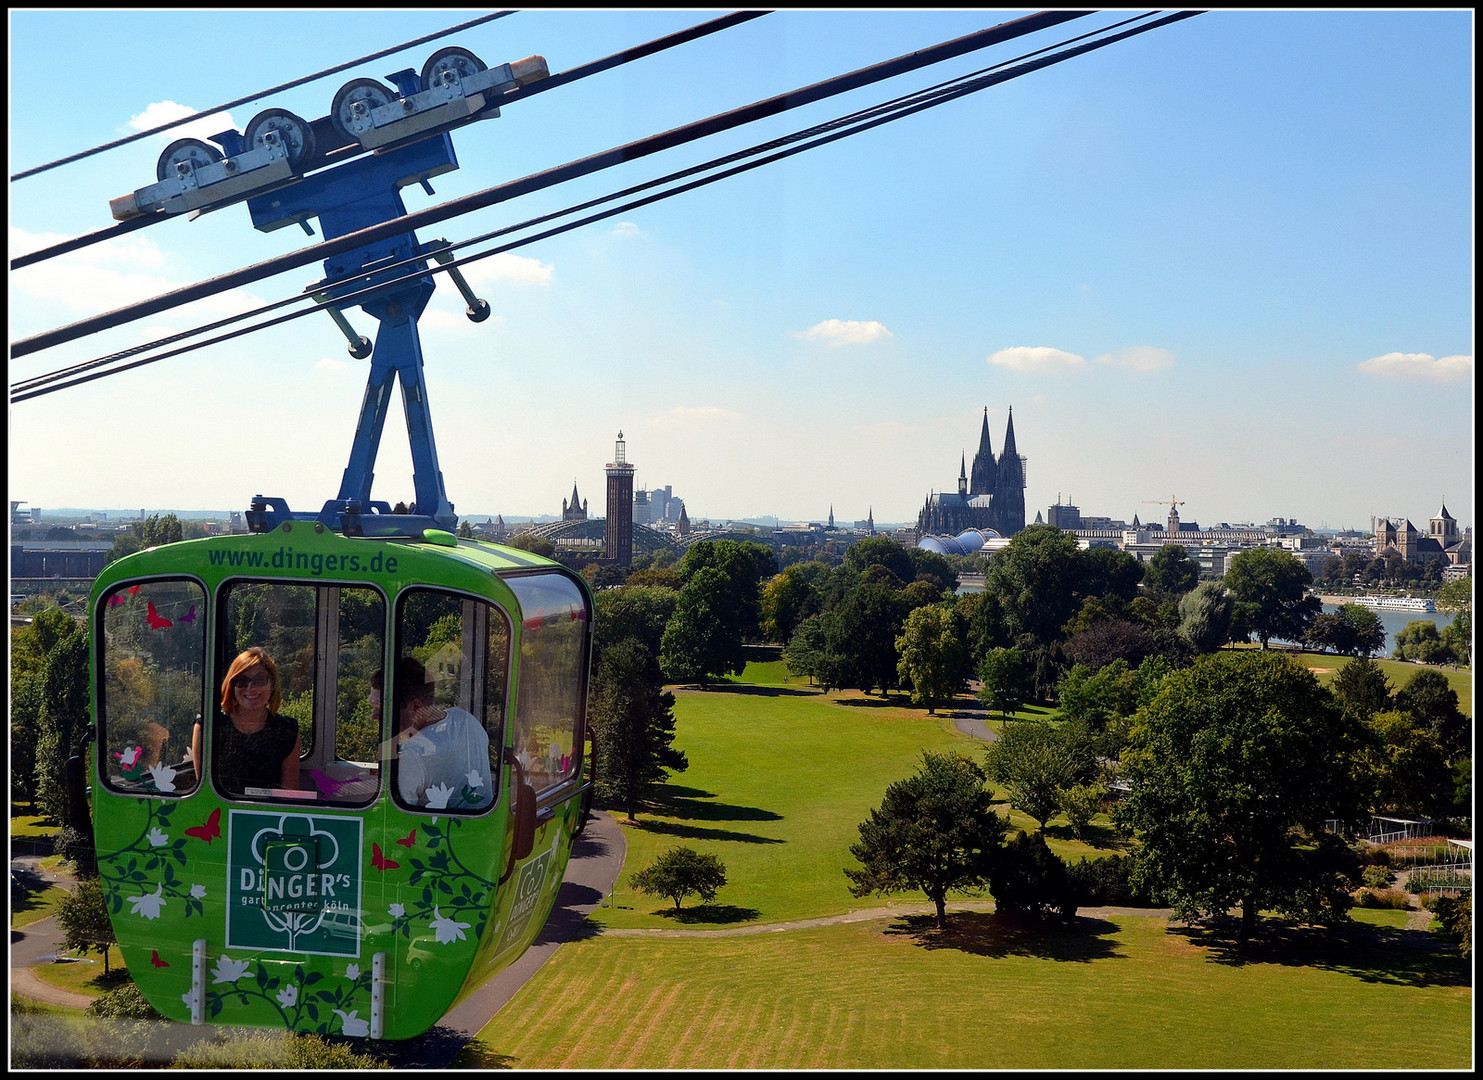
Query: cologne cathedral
{"x": 990, "y": 497}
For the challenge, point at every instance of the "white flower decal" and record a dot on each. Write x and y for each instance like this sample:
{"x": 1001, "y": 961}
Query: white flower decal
{"x": 397, "y": 911}
{"x": 438, "y": 796}
{"x": 163, "y": 777}
{"x": 288, "y": 996}
{"x": 447, "y": 930}
{"x": 228, "y": 970}
{"x": 198, "y": 891}
{"x": 150, "y": 904}
{"x": 158, "y": 838}
{"x": 352, "y": 971}
{"x": 475, "y": 780}
{"x": 189, "y": 997}
{"x": 350, "y": 1024}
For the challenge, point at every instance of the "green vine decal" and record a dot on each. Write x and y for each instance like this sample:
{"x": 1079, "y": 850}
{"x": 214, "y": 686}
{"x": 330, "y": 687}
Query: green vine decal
{"x": 297, "y": 1007}
{"x": 151, "y": 859}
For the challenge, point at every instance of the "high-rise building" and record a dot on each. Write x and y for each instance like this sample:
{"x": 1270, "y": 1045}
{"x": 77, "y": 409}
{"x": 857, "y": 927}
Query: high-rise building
{"x": 620, "y": 506}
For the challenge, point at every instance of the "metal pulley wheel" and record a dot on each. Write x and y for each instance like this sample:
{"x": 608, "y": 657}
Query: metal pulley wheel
{"x": 354, "y": 99}
{"x": 192, "y": 151}
{"x": 459, "y": 61}
{"x": 294, "y": 131}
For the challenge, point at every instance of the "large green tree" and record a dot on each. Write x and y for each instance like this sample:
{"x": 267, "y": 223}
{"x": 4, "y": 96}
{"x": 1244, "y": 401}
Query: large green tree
{"x": 933, "y": 831}
{"x": 679, "y": 872}
{"x": 791, "y": 596}
{"x": 1005, "y": 679}
{"x": 1232, "y": 756}
{"x": 633, "y": 727}
{"x": 934, "y": 655}
{"x": 703, "y": 638}
{"x": 1205, "y": 616}
{"x": 632, "y": 612}
{"x": 1171, "y": 572}
{"x": 745, "y": 565}
{"x": 1275, "y": 583}
{"x": 1034, "y": 761}
{"x": 1361, "y": 684}
{"x": 1432, "y": 702}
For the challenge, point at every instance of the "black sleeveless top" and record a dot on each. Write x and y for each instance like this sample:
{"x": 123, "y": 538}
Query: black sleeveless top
{"x": 256, "y": 760}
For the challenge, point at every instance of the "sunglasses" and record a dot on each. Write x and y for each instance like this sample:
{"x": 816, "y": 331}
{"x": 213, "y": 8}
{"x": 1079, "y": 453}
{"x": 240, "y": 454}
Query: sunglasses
{"x": 247, "y": 682}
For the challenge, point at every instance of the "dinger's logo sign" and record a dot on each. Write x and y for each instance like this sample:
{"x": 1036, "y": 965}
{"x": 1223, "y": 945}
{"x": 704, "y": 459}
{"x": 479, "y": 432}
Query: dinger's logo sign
{"x": 293, "y": 882}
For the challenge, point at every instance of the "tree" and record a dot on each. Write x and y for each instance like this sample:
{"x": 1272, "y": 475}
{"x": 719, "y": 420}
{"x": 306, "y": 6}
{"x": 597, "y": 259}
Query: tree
{"x": 632, "y": 613}
{"x": 1432, "y": 702}
{"x": 1005, "y": 679}
{"x": 703, "y": 637}
{"x": 1035, "y": 763}
{"x": 933, "y": 831}
{"x": 536, "y": 545}
{"x": 1361, "y": 685}
{"x": 1420, "y": 640}
{"x": 934, "y": 655}
{"x": 679, "y": 872}
{"x": 862, "y": 630}
{"x": 82, "y": 916}
{"x": 1029, "y": 879}
{"x": 633, "y": 726}
{"x": 744, "y": 564}
{"x": 1232, "y": 755}
{"x": 1366, "y": 631}
{"x": 1031, "y": 586}
{"x": 1276, "y": 582}
{"x": 1405, "y": 765}
{"x": 1111, "y": 639}
{"x": 1171, "y": 572}
{"x": 63, "y": 716}
{"x": 881, "y": 551}
{"x": 1205, "y": 616}
{"x": 790, "y": 597}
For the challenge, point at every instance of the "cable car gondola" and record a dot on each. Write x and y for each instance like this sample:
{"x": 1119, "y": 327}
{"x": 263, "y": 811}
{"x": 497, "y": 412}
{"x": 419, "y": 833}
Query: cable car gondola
{"x": 335, "y": 896}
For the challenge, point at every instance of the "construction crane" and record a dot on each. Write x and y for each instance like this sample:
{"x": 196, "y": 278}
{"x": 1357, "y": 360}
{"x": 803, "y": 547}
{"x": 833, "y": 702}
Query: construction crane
{"x": 1174, "y": 503}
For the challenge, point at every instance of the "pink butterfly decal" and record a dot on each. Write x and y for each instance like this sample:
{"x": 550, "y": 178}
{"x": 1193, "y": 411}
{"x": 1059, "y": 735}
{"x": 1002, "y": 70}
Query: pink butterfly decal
{"x": 189, "y": 616}
{"x": 381, "y": 862}
{"x": 156, "y": 620}
{"x": 327, "y": 784}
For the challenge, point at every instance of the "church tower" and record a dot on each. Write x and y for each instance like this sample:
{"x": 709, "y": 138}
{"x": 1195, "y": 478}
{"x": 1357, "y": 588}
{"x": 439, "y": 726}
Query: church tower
{"x": 985, "y": 469}
{"x": 1009, "y": 491}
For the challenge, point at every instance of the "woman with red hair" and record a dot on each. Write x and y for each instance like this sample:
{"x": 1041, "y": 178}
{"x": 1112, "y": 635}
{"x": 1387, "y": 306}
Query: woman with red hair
{"x": 253, "y": 745}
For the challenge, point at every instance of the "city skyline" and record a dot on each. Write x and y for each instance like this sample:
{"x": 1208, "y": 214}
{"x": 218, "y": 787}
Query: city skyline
{"x": 1228, "y": 261}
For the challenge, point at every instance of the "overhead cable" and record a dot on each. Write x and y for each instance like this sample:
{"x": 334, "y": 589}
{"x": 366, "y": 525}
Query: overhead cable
{"x": 820, "y": 135}
{"x": 253, "y": 97}
{"x": 547, "y": 178}
{"x": 637, "y": 52}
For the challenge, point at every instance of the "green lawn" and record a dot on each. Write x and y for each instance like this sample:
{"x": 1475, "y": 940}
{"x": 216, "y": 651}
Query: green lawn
{"x": 777, "y": 784}
{"x": 1122, "y": 992}
{"x": 779, "y": 780}
{"x": 1399, "y": 672}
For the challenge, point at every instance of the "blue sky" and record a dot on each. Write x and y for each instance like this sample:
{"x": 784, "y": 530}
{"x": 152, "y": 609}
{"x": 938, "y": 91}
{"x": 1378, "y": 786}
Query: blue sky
{"x": 1229, "y": 261}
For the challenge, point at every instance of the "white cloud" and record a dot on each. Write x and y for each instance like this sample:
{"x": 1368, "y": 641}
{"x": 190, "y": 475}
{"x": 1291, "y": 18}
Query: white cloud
{"x": 834, "y": 332}
{"x": 326, "y": 363}
{"x": 1397, "y": 365}
{"x": 1138, "y": 358}
{"x": 507, "y": 268}
{"x": 629, "y": 230}
{"x": 163, "y": 112}
{"x": 106, "y": 276}
{"x": 1038, "y": 358}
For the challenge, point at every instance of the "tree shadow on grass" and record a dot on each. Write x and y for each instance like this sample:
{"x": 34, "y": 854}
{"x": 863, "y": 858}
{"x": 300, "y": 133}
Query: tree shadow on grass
{"x": 27, "y": 887}
{"x": 763, "y": 690}
{"x": 695, "y": 832}
{"x": 902, "y": 702}
{"x": 709, "y": 914}
{"x": 994, "y": 934}
{"x": 1102, "y": 837}
{"x": 1375, "y": 954}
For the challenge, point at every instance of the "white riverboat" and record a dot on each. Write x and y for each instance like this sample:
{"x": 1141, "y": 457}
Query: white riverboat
{"x": 1394, "y": 603}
